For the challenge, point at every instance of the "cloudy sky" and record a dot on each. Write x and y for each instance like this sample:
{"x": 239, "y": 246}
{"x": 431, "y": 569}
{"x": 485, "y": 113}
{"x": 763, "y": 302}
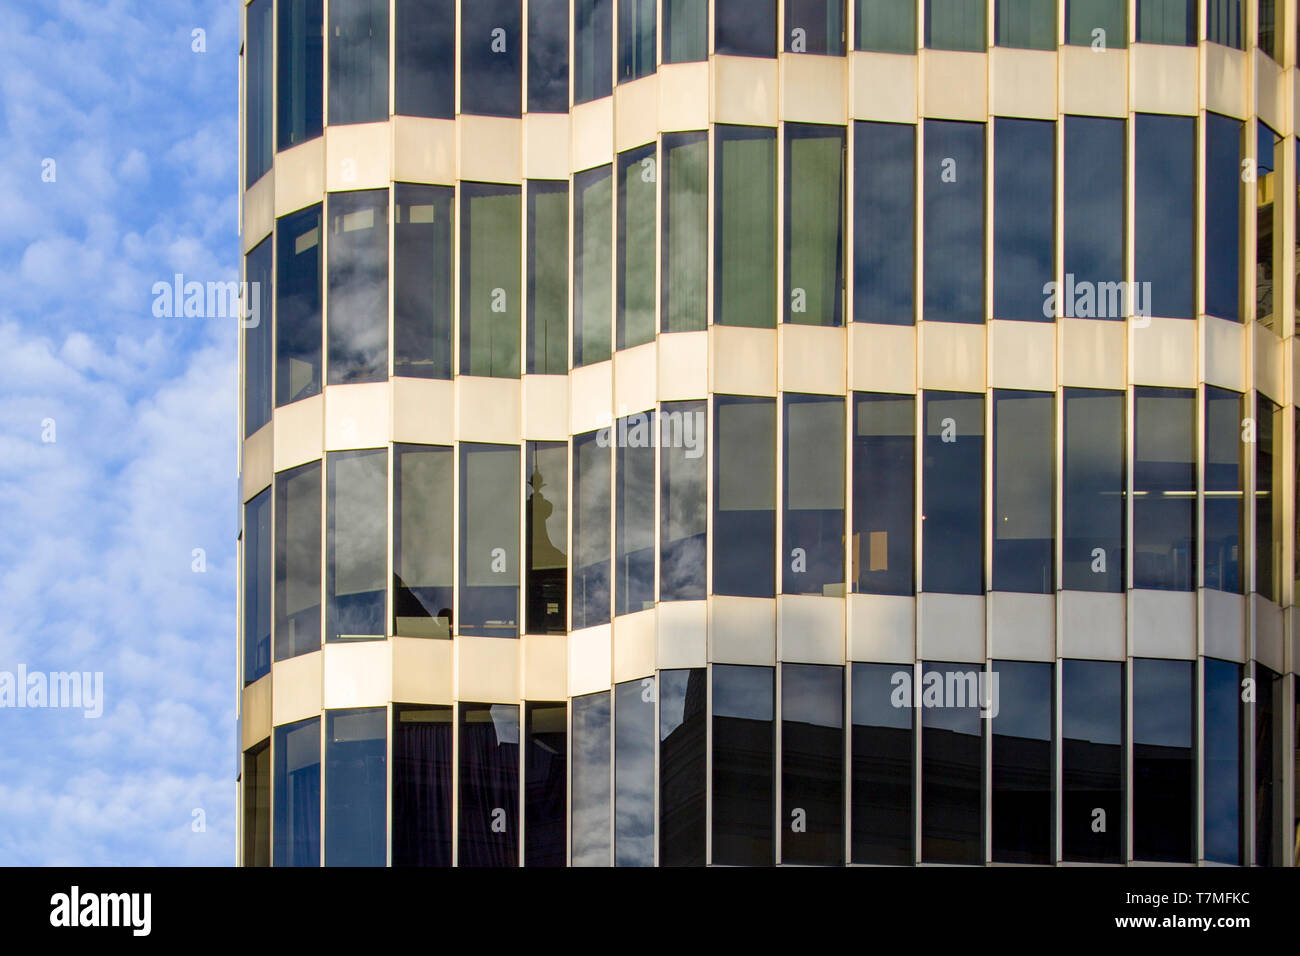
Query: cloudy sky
{"x": 100, "y": 524}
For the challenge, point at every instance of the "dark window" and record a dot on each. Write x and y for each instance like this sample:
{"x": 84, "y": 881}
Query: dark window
{"x": 1164, "y": 765}
{"x": 683, "y": 757}
{"x": 1268, "y": 151}
{"x": 634, "y": 517}
{"x": 300, "y": 72}
{"x": 547, "y": 516}
{"x": 590, "y": 771}
{"x": 812, "y": 764}
{"x": 1268, "y": 28}
{"x": 744, "y": 27}
{"x": 954, "y": 220}
{"x": 634, "y": 773}
{"x": 812, "y": 516}
{"x": 636, "y": 39}
{"x": 356, "y": 787}
{"x": 593, "y": 206}
{"x": 1024, "y": 205}
{"x": 1092, "y": 761}
{"x": 886, "y": 26}
{"x": 1093, "y": 491}
{"x": 814, "y": 26}
{"x": 257, "y": 803}
{"x": 684, "y": 501}
{"x": 358, "y": 61}
{"x": 298, "y": 306}
{"x": 1167, "y": 21}
{"x": 356, "y": 544}
{"x": 1224, "y": 722}
{"x": 593, "y": 49}
{"x": 883, "y": 759}
{"x": 1224, "y": 239}
{"x": 258, "y": 342}
{"x": 548, "y": 277}
{"x": 491, "y": 81}
{"x": 422, "y": 766}
{"x": 1165, "y": 225}
{"x": 686, "y": 30}
{"x": 546, "y": 784}
{"x": 955, "y": 25}
{"x": 548, "y": 56}
{"x": 814, "y": 224}
{"x": 952, "y": 494}
{"x": 1084, "y": 18}
{"x": 1024, "y": 464}
{"x": 1023, "y": 806}
{"x": 744, "y": 496}
{"x": 952, "y": 760}
{"x": 591, "y": 551}
{"x": 422, "y": 280}
{"x": 424, "y": 40}
{"x": 297, "y": 561}
{"x": 296, "y": 839}
{"x": 489, "y": 540}
{"x": 684, "y": 282}
{"x": 884, "y": 223}
{"x": 637, "y": 172}
{"x": 744, "y": 250}
{"x": 259, "y": 89}
{"x": 489, "y": 280}
{"x": 423, "y": 513}
{"x": 1225, "y": 515}
{"x": 1270, "y": 829}
{"x": 1094, "y": 219}
{"x": 257, "y": 587}
{"x": 1028, "y": 24}
{"x": 1225, "y": 22}
{"x": 489, "y": 785}
{"x": 1164, "y": 489}
{"x": 358, "y": 284}
{"x": 744, "y": 765}
{"x": 1269, "y": 533}
{"x": 884, "y": 495}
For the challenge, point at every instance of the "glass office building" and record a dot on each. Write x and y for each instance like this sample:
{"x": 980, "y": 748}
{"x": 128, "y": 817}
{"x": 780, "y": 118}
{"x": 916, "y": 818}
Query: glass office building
{"x": 762, "y": 432}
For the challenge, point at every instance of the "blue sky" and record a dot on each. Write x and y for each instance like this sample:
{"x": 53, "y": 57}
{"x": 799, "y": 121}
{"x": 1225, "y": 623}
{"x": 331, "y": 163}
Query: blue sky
{"x": 100, "y": 525}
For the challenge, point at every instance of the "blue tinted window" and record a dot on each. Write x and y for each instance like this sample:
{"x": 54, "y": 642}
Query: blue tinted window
{"x": 1268, "y": 28}
{"x": 546, "y": 784}
{"x": 883, "y": 759}
{"x": 1269, "y": 532}
{"x": 546, "y": 548}
{"x": 1224, "y": 241}
{"x": 1094, "y": 219}
{"x": 422, "y": 280}
{"x": 744, "y": 27}
{"x": 952, "y": 761}
{"x": 296, "y": 840}
{"x": 954, "y": 221}
{"x": 1165, "y": 225}
{"x": 1164, "y": 766}
{"x": 358, "y": 285}
{"x": 955, "y": 25}
{"x": 884, "y": 223}
{"x": 300, "y": 71}
{"x": 591, "y": 551}
{"x": 636, "y": 39}
{"x": 548, "y": 56}
{"x": 634, "y": 516}
{"x": 1167, "y": 21}
{"x": 634, "y": 773}
{"x": 358, "y": 61}
{"x": 590, "y": 798}
{"x": 684, "y": 501}
{"x": 489, "y": 540}
{"x": 1268, "y": 259}
{"x": 1224, "y": 527}
{"x": 1225, "y": 22}
{"x": 297, "y": 561}
{"x": 1093, "y": 490}
{"x": 1083, "y": 18}
{"x": 258, "y": 342}
{"x": 1223, "y": 761}
{"x": 1024, "y": 216}
{"x": 259, "y": 86}
{"x": 683, "y": 759}
{"x": 812, "y": 764}
{"x": 884, "y": 496}
{"x": 744, "y": 765}
{"x": 887, "y": 26}
{"x": 257, "y": 587}
{"x": 1269, "y": 786}
{"x": 744, "y": 496}
{"x": 356, "y": 787}
{"x": 814, "y": 26}
{"x": 356, "y": 544}
{"x": 1092, "y": 761}
{"x": 593, "y": 49}
{"x": 813, "y": 499}
{"x": 685, "y": 30}
{"x": 1024, "y": 459}
{"x": 422, "y": 765}
{"x": 1164, "y": 489}
{"x": 424, "y": 514}
{"x": 952, "y": 485}
{"x": 298, "y": 306}
{"x": 1023, "y": 806}
{"x": 424, "y": 42}
{"x": 489, "y": 785}
{"x": 490, "y": 75}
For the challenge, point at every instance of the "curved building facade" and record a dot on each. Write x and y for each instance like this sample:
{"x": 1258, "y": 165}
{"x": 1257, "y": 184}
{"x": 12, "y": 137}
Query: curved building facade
{"x": 768, "y": 431}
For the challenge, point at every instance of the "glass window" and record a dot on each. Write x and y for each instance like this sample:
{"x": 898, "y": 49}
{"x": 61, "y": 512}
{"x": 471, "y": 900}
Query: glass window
{"x": 547, "y": 515}
{"x": 489, "y": 540}
{"x": 1268, "y": 510}
{"x": 490, "y": 75}
{"x": 357, "y": 539}
{"x": 1165, "y": 226}
{"x": 952, "y": 760}
{"x": 684, "y": 282}
{"x": 297, "y": 561}
{"x": 814, "y": 26}
{"x": 1094, "y": 219}
{"x": 300, "y": 71}
{"x": 591, "y": 551}
{"x": 685, "y": 30}
{"x": 422, "y": 767}
{"x": 1224, "y": 242}
{"x": 358, "y": 61}
{"x": 955, "y": 25}
{"x": 884, "y": 496}
{"x": 1223, "y": 761}
{"x": 744, "y": 251}
{"x": 1225, "y": 22}
{"x": 683, "y": 503}
{"x": 298, "y": 306}
{"x": 744, "y": 496}
{"x": 593, "y": 49}
{"x": 358, "y": 303}
{"x": 1024, "y": 217}
{"x": 258, "y": 346}
{"x": 296, "y": 794}
{"x": 548, "y": 277}
{"x": 424, "y": 49}
{"x": 744, "y": 27}
{"x": 636, "y": 39}
{"x": 257, "y": 803}
{"x": 1164, "y": 489}
{"x": 952, "y": 494}
{"x": 1024, "y": 465}
{"x": 744, "y": 765}
{"x": 812, "y": 764}
{"x": 257, "y": 587}
{"x": 1027, "y": 24}
{"x": 1268, "y": 28}
{"x": 423, "y": 512}
{"x": 1023, "y": 806}
{"x": 886, "y": 26}
{"x": 634, "y": 773}
{"x": 593, "y": 206}
{"x": 489, "y": 785}
{"x": 884, "y": 223}
{"x": 546, "y": 784}
{"x": 812, "y": 517}
{"x": 814, "y": 224}
{"x": 1167, "y": 21}
{"x": 954, "y": 220}
{"x": 489, "y": 280}
{"x": 683, "y": 758}
{"x": 548, "y": 56}
{"x": 637, "y": 172}
{"x": 1223, "y": 531}
{"x": 1092, "y": 761}
{"x": 259, "y": 88}
{"x": 590, "y": 773}
{"x": 1084, "y": 18}
{"x": 1164, "y": 767}
{"x": 1268, "y": 153}
{"x": 356, "y": 787}
{"x": 634, "y": 519}
{"x": 1270, "y": 830}
{"x": 883, "y": 760}
{"x": 422, "y": 280}
{"x": 1093, "y": 490}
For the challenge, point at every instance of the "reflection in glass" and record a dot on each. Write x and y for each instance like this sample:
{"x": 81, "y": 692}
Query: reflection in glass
{"x": 1084, "y": 17}
{"x": 884, "y": 223}
{"x": 546, "y": 510}
{"x": 424, "y": 53}
{"x": 358, "y": 286}
{"x": 356, "y": 542}
{"x": 683, "y": 757}
{"x": 1023, "y": 807}
{"x": 954, "y": 219}
{"x": 490, "y": 76}
{"x": 257, "y": 803}
{"x": 296, "y": 794}
{"x": 259, "y": 88}
{"x": 1164, "y": 488}
{"x": 1165, "y": 214}
{"x": 1267, "y": 34}
{"x": 815, "y": 26}
{"x": 813, "y": 502}
{"x": 297, "y": 561}
{"x": 356, "y": 787}
{"x": 744, "y": 496}
{"x": 1093, "y": 490}
{"x": 358, "y": 61}
{"x": 1224, "y": 236}
{"x": 744, "y": 761}
{"x": 636, "y": 39}
{"x": 685, "y": 30}
{"x": 1024, "y": 202}
{"x": 814, "y": 224}
{"x": 684, "y": 282}
{"x": 1094, "y": 219}
{"x": 590, "y": 780}
{"x": 548, "y": 277}
{"x": 489, "y": 785}
{"x": 634, "y": 773}
{"x": 744, "y": 251}
{"x": 298, "y": 306}
{"x": 1024, "y": 460}
{"x": 1270, "y": 724}
{"x": 592, "y": 209}
{"x": 744, "y": 27}
{"x": 548, "y": 56}
{"x": 1225, "y": 515}
{"x": 422, "y": 766}
{"x": 489, "y": 540}
{"x": 1027, "y": 24}
{"x": 422, "y": 280}
{"x": 812, "y": 764}
{"x": 683, "y": 504}
{"x": 636, "y": 246}
{"x": 1268, "y": 510}
{"x": 1224, "y": 782}
{"x": 1092, "y": 761}
{"x": 1268, "y": 179}
{"x": 1167, "y": 21}
{"x": 489, "y": 280}
{"x": 593, "y": 41}
{"x": 257, "y": 587}
{"x": 883, "y": 759}
{"x": 258, "y": 343}
{"x": 886, "y": 26}
{"x": 1225, "y": 22}
{"x": 952, "y": 494}
{"x": 423, "y": 512}
{"x": 1164, "y": 766}
{"x": 952, "y": 759}
{"x": 300, "y": 71}
{"x": 545, "y": 783}
{"x": 591, "y": 551}
{"x": 634, "y": 519}
{"x": 884, "y": 497}
{"x": 955, "y": 25}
